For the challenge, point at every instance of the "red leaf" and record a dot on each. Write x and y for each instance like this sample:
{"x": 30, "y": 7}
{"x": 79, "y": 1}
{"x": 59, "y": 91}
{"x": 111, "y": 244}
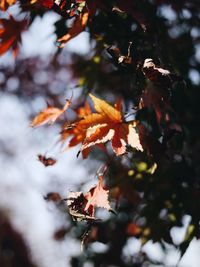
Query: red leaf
{"x": 47, "y": 3}
{"x": 107, "y": 125}
{"x": 133, "y": 229}
{"x": 157, "y": 75}
{"x": 46, "y": 161}
{"x": 10, "y": 34}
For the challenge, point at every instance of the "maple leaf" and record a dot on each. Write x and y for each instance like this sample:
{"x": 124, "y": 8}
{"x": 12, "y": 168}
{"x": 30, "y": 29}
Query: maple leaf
{"x": 10, "y": 34}
{"x": 76, "y": 202}
{"x": 95, "y": 129}
{"x": 77, "y": 27}
{"x": 4, "y": 4}
{"x": 75, "y": 129}
{"x": 78, "y": 130}
{"x": 49, "y": 115}
{"x": 97, "y": 197}
{"x": 82, "y": 207}
{"x": 79, "y": 135}
{"x": 108, "y": 125}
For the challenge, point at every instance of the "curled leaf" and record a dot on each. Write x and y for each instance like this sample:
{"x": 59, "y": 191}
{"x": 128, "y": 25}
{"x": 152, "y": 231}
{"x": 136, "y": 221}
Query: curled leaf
{"x": 82, "y": 207}
{"x": 49, "y": 115}
{"x": 46, "y": 161}
{"x": 53, "y": 196}
{"x": 97, "y": 197}
{"x": 77, "y": 27}
{"x": 156, "y": 74}
{"x": 76, "y": 203}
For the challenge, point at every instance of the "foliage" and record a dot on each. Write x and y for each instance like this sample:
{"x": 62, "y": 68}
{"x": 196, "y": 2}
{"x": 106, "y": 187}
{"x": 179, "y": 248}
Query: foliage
{"x": 142, "y": 56}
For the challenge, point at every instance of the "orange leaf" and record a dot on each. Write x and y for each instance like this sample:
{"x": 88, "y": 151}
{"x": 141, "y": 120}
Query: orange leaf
{"x": 110, "y": 127}
{"x": 49, "y": 115}
{"x": 79, "y": 135}
{"x": 10, "y": 34}
{"x": 96, "y": 129}
{"x": 4, "y": 4}
{"x": 78, "y": 26}
{"x": 77, "y": 129}
{"x": 83, "y": 110}
{"x": 96, "y": 135}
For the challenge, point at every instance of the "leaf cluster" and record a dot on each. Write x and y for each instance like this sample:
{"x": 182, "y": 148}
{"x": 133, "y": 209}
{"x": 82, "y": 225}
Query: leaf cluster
{"x": 145, "y": 57}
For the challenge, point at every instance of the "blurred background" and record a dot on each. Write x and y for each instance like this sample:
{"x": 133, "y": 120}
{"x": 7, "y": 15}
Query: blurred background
{"x": 35, "y": 231}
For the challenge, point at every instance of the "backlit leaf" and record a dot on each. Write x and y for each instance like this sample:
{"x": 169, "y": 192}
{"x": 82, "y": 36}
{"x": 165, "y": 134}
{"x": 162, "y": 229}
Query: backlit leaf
{"x": 77, "y": 27}
{"x": 4, "y": 4}
{"x": 10, "y": 34}
{"x": 96, "y": 129}
{"x": 97, "y": 196}
{"x": 49, "y": 115}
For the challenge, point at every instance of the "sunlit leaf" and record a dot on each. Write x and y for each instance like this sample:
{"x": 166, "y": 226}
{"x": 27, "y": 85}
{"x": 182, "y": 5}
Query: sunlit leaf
{"x": 4, "y": 4}
{"x": 49, "y": 115}
{"x": 97, "y": 196}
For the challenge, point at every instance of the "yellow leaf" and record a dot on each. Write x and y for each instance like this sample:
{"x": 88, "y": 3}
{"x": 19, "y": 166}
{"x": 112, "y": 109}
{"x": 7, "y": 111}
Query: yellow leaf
{"x": 105, "y": 109}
